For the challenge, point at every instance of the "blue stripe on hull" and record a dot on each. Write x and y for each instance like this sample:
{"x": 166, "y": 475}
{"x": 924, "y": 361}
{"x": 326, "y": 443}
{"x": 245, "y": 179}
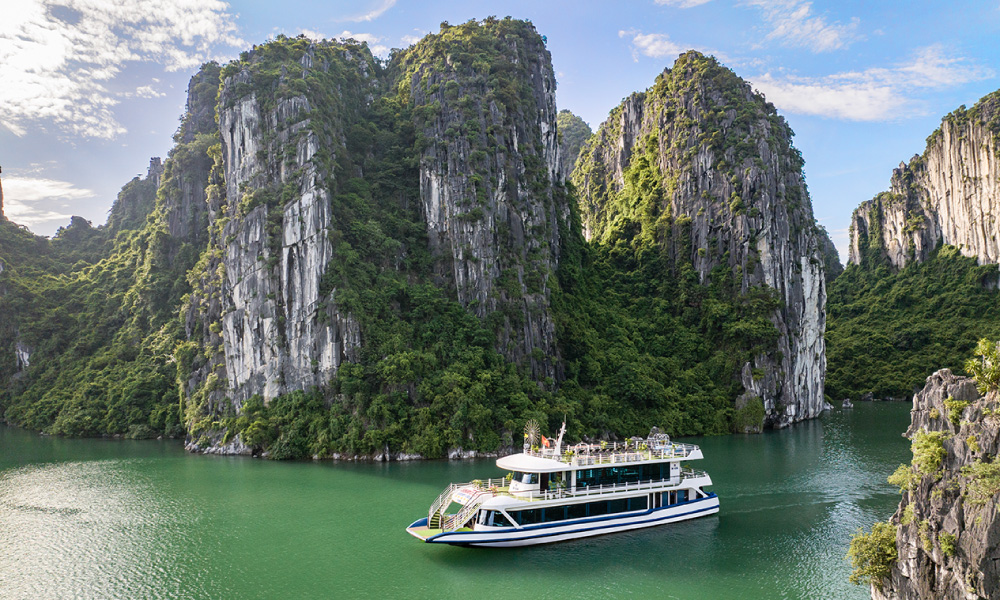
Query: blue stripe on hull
{"x": 455, "y": 538}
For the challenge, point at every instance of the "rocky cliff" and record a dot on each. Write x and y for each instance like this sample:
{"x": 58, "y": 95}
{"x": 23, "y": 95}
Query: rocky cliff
{"x": 486, "y": 97}
{"x": 950, "y": 194}
{"x": 573, "y": 132}
{"x": 702, "y": 164}
{"x": 947, "y": 525}
{"x": 257, "y": 302}
{"x": 294, "y": 119}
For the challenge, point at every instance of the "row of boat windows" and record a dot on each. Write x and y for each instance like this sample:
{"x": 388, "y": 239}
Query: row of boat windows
{"x": 605, "y": 476}
{"x": 552, "y": 514}
{"x": 624, "y": 474}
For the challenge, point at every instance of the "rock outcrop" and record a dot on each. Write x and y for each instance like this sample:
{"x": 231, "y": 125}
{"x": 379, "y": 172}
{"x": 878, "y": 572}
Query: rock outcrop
{"x": 948, "y": 524}
{"x": 258, "y": 302}
{"x": 487, "y": 183}
{"x": 705, "y": 165}
{"x": 950, "y": 194}
{"x": 573, "y": 132}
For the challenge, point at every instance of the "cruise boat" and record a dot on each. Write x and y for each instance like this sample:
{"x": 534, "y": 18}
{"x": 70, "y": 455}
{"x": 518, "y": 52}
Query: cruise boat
{"x": 552, "y": 494}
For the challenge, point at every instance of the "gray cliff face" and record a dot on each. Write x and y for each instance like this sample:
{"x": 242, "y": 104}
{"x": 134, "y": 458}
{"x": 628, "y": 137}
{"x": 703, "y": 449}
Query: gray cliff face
{"x": 278, "y": 334}
{"x": 939, "y": 505}
{"x": 488, "y": 197}
{"x": 950, "y": 195}
{"x": 733, "y": 194}
{"x": 186, "y": 176}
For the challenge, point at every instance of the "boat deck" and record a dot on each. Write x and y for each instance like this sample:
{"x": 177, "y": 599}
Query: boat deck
{"x": 425, "y": 532}
{"x": 608, "y": 454}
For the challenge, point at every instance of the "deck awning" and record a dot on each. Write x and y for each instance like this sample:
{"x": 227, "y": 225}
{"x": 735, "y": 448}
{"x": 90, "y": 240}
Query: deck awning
{"x": 531, "y": 464}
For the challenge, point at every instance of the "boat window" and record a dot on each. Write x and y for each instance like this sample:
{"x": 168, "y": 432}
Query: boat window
{"x": 619, "y": 475}
{"x": 491, "y": 518}
{"x": 617, "y": 506}
{"x": 554, "y": 513}
{"x": 682, "y": 496}
{"x": 526, "y": 478}
{"x": 640, "y": 503}
{"x": 576, "y": 511}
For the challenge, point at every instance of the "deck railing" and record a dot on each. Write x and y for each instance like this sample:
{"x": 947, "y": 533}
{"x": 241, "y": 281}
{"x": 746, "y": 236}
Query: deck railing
{"x": 606, "y": 454}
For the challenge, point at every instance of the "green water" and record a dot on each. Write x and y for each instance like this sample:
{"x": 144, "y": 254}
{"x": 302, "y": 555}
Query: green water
{"x": 115, "y": 519}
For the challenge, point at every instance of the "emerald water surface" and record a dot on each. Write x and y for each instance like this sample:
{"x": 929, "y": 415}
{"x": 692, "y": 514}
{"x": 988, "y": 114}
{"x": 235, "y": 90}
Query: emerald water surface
{"x": 117, "y": 519}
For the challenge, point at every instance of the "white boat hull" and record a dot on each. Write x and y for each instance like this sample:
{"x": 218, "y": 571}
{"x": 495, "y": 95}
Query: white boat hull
{"x": 547, "y": 533}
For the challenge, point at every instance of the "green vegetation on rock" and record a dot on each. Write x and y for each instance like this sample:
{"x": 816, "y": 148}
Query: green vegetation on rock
{"x": 872, "y": 554}
{"x": 886, "y": 331}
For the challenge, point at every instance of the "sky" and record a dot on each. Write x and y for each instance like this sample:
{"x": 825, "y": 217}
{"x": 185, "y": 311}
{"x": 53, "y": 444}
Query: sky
{"x": 91, "y": 89}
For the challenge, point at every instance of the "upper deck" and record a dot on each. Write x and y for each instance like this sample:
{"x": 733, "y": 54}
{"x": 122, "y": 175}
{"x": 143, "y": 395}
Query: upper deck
{"x": 546, "y": 460}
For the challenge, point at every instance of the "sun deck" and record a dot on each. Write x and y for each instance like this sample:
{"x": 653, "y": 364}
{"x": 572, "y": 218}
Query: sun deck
{"x": 585, "y": 455}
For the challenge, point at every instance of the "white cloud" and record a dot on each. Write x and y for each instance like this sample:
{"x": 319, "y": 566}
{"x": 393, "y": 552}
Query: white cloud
{"x": 311, "y": 34}
{"x": 144, "y": 91}
{"x": 682, "y": 3}
{"x": 55, "y": 59}
{"x": 653, "y": 45}
{"x": 793, "y": 24}
{"x": 933, "y": 68}
{"x": 659, "y": 45}
{"x": 852, "y": 99}
{"x": 32, "y": 201}
{"x": 409, "y": 40}
{"x": 370, "y": 39}
{"x": 877, "y": 94}
{"x": 375, "y": 12}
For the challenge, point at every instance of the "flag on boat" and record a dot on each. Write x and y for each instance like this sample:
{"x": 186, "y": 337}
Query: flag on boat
{"x": 545, "y": 441}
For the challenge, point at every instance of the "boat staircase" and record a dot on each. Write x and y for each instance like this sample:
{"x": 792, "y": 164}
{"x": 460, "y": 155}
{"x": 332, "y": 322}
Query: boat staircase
{"x": 438, "y": 519}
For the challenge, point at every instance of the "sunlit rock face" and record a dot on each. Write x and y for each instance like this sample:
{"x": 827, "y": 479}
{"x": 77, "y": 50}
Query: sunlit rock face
{"x": 950, "y": 195}
{"x": 276, "y": 332}
{"x": 733, "y": 195}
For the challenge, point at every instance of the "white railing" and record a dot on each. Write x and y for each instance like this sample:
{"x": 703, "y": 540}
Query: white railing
{"x": 606, "y": 454}
{"x": 446, "y": 497}
{"x": 468, "y": 511}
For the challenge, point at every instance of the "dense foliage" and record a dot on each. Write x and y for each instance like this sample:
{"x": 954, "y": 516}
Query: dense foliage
{"x": 99, "y": 334}
{"x": 887, "y": 331}
{"x": 873, "y": 554}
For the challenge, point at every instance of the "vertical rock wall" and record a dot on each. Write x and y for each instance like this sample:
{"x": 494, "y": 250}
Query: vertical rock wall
{"x": 487, "y": 177}
{"x": 732, "y": 194}
{"x": 950, "y": 195}
{"x": 278, "y": 334}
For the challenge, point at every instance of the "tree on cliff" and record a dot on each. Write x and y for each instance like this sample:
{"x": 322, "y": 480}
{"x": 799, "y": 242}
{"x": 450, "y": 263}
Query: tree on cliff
{"x": 986, "y": 368}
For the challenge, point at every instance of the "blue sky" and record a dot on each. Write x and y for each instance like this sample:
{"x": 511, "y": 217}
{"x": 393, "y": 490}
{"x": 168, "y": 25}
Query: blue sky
{"x": 93, "y": 88}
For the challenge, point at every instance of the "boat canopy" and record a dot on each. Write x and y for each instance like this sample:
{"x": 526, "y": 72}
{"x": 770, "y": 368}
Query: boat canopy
{"x": 524, "y": 463}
